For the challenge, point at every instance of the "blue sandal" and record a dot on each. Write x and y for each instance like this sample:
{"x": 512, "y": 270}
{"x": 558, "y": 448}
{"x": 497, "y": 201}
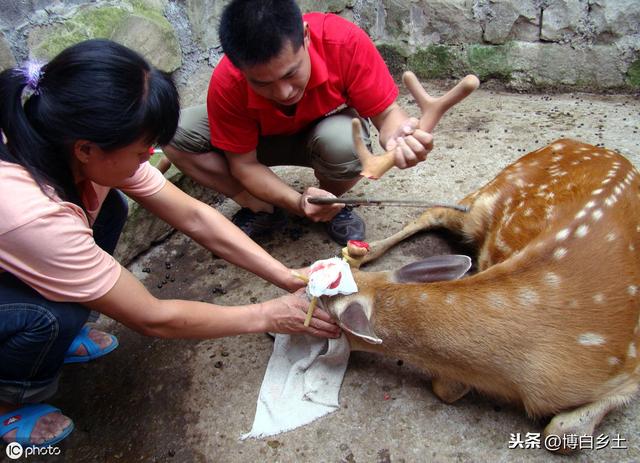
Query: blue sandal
{"x": 93, "y": 350}
{"x": 24, "y": 419}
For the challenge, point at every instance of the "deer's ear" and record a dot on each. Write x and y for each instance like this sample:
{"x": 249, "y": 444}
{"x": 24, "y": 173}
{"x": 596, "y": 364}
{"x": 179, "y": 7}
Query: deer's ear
{"x": 436, "y": 268}
{"x": 354, "y": 319}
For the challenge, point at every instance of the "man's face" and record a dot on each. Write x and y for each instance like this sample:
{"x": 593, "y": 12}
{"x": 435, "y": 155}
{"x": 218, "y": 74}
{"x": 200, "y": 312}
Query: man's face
{"x": 284, "y": 78}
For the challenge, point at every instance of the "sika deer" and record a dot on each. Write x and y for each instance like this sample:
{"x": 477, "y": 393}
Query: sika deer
{"x": 551, "y": 318}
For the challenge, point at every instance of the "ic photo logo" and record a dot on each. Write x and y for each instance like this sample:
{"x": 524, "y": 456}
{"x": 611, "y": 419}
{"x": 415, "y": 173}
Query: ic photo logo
{"x": 15, "y": 451}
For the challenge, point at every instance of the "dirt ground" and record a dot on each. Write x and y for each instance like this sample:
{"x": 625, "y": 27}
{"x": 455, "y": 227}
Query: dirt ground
{"x": 156, "y": 400}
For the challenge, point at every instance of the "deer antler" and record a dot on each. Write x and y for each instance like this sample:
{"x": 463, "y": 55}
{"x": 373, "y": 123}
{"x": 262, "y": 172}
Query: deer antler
{"x": 432, "y": 109}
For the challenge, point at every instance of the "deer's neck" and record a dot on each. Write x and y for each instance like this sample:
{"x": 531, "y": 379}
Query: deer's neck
{"x": 454, "y": 325}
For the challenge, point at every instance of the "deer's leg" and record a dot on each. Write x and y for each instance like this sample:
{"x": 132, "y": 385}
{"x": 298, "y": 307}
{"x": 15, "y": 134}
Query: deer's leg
{"x": 431, "y": 218}
{"x": 449, "y": 391}
{"x": 582, "y": 421}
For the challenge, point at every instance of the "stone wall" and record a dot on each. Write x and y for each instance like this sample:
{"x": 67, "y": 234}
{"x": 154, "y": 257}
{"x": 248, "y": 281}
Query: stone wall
{"x": 577, "y": 44}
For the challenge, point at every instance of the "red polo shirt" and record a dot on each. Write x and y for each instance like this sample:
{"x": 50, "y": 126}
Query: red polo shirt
{"x": 346, "y": 68}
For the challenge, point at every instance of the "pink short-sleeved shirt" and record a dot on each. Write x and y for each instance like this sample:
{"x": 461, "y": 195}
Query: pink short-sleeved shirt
{"x": 48, "y": 243}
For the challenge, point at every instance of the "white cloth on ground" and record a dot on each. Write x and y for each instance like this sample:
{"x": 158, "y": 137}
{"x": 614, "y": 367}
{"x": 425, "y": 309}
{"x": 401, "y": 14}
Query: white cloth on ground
{"x": 301, "y": 384}
{"x": 304, "y": 374}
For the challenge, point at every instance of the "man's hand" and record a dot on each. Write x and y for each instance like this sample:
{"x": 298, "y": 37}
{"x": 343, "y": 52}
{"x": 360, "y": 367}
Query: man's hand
{"x": 409, "y": 144}
{"x": 318, "y": 212}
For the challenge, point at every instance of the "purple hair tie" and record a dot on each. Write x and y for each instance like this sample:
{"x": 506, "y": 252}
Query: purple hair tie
{"x": 32, "y": 72}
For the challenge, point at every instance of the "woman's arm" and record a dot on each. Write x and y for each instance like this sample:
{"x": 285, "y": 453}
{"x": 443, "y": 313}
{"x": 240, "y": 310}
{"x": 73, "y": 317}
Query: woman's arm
{"x": 216, "y": 233}
{"x": 130, "y": 303}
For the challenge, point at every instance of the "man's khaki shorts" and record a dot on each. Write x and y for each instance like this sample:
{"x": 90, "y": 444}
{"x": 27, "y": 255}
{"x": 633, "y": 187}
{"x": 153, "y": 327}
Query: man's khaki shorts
{"x": 326, "y": 145}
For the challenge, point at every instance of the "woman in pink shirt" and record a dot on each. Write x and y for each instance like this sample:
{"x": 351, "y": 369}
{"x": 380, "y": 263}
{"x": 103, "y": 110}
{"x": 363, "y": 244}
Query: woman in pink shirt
{"x": 74, "y": 132}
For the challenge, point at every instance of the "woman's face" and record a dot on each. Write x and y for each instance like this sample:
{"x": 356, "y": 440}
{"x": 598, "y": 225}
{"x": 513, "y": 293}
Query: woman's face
{"x": 110, "y": 168}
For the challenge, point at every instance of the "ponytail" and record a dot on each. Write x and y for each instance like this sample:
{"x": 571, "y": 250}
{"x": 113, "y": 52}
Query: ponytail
{"x": 96, "y": 90}
{"x": 25, "y": 146}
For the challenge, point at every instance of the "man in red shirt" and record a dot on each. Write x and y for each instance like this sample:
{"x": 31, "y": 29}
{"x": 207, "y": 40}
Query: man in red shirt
{"x": 284, "y": 94}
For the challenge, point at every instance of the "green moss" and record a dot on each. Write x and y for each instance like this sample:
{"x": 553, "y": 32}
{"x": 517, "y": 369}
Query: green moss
{"x": 94, "y": 22}
{"x": 488, "y": 61}
{"x": 435, "y": 61}
{"x": 142, "y": 8}
{"x": 633, "y": 74}
{"x": 87, "y": 24}
{"x": 100, "y": 22}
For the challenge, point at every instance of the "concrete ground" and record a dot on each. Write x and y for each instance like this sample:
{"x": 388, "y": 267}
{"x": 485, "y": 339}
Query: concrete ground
{"x": 156, "y": 400}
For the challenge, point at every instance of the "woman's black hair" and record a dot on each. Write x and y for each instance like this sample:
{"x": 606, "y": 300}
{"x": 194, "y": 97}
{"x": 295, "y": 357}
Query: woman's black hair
{"x": 255, "y": 31}
{"x": 96, "y": 90}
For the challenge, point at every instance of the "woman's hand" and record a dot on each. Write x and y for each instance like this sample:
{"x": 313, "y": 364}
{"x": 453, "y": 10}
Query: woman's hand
{"x": 295, "y": 279}
{"x": 286, "y": 315}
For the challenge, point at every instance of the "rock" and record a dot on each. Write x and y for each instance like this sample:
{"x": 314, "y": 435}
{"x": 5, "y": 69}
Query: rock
{"x": 329, "y": 6}
{"x": 143, "y": 228}
{"x": 507, "y": 20}
{"x": 608, "y": 21}
{"x": 494, "y": 61}
{"x": 14, "y": 14}
{"x": 204, "y": 17}
{"x": 88, "y": 22}
{"x": 151, "y": 38}
{"x": 433, "y": 62}
{"x": 399, "y": 28}
{"x": 7, "y": 60}
{"x": 141, "y": 27}
{"x": 392, "y": 55}
{"x": 158, "y": 5}
{"x": 561, "y": 19}
{"x": 452, "y": 19}
{"x": 552, "y": 64}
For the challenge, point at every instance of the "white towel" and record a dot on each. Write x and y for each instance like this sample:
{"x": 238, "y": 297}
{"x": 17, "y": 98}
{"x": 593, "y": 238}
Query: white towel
{"x": 301, "y": 384}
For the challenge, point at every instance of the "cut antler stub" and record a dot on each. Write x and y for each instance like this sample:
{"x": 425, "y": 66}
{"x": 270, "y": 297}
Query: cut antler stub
{"x": 374, "y": 167}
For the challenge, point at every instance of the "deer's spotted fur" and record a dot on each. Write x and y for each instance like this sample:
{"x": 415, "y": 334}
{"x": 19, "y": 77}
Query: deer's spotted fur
{"x": 551, "y": 318}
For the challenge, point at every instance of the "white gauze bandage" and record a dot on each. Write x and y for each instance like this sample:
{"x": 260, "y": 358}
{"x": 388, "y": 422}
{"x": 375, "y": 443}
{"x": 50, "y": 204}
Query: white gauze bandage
{"x": 329, "y": 277}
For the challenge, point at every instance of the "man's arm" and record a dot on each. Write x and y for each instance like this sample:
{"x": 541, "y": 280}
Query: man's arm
{"x": 261, "y": 182}
{"x": 372, "y": 91}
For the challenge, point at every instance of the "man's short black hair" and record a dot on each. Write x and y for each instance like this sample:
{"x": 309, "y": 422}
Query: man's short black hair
{"x": 255, "y": 31}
